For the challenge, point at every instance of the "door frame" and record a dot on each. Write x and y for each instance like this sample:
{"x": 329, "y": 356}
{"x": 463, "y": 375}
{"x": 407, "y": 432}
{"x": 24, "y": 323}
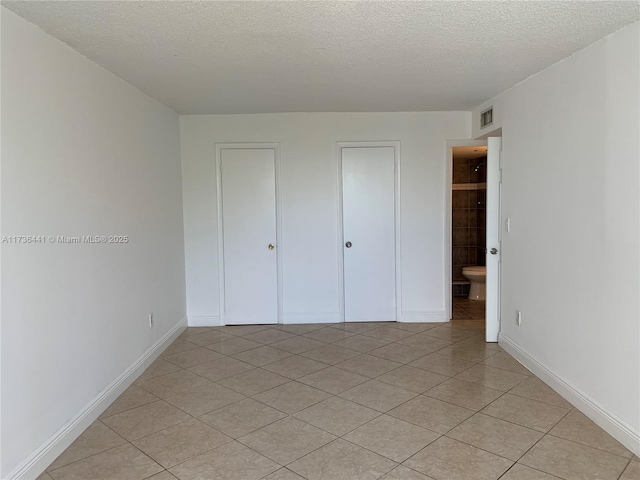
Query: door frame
{"x": 220, "y": 220}
{"x": 448, "y": 216}
{"x": 340, "y": 237}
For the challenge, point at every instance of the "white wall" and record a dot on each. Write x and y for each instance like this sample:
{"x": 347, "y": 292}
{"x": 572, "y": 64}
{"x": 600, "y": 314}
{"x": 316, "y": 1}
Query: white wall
{"x": 571, "y": 156}
{"x": 309, "y": 204}
{"x": 83, "y": 153}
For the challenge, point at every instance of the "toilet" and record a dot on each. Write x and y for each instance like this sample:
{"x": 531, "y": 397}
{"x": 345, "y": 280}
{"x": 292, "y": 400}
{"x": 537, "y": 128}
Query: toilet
{"x": 477, "y": 276}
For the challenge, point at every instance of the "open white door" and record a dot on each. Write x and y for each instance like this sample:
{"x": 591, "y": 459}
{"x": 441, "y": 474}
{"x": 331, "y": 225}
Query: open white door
{"x": 494, "y": 180}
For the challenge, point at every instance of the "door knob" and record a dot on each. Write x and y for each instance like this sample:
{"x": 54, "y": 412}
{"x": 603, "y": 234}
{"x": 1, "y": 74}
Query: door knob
{"x": 348, "y": 244}
{"x": 271, "y": 246}
{"x": 494, "y": 251}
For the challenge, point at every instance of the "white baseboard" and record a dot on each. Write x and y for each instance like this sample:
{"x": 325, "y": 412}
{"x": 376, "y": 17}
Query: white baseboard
{"x": 295, "y": 318}
{"x": 609, "y": 422}
{"x": 435, "y": 316}
{"x": 39, "y": 460}
{"x": 204, "y": 321}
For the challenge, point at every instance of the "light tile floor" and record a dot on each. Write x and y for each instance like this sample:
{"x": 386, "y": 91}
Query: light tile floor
{"x": 355, "y": 401}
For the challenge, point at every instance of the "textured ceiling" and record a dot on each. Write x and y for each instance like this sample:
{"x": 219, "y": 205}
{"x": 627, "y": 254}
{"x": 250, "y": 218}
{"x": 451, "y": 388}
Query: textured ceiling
{"x": 253, "y": 57}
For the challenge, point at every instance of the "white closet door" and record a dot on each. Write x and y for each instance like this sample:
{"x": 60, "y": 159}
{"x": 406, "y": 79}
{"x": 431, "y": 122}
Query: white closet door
{"x": 368, "y": 199}
{"x": 249, "y": 232}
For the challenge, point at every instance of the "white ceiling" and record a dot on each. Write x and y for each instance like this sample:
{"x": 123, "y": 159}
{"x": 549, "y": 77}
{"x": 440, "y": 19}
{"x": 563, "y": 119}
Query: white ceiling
{"x": 265, "y": 56}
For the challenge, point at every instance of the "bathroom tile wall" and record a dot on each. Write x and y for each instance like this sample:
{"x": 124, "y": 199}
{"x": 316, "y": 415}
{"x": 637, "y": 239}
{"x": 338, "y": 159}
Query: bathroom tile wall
{"x": 468, "y": 222}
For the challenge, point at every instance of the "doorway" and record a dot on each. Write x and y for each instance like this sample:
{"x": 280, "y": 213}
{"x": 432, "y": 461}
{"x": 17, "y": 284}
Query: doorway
{"x": 368, "y": 218}
{"x": 474, "y": 234}
{"x": 248, "y": 233}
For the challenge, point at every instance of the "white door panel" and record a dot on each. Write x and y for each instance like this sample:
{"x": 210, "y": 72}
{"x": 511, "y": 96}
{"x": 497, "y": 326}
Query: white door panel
{"x": 368, "y": 179}
{"x": 249, "y": 227}
{"x": 492, "y": 321}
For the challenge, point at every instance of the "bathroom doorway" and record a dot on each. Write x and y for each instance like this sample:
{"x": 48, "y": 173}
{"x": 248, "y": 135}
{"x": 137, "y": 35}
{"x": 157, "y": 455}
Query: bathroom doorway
{"x": 473, "y": 213}
{"x": 466, "y": 212}
{"x": 468, "y": 232}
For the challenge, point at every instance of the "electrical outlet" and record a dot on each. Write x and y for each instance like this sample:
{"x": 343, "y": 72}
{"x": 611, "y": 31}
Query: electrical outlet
{"x": 150, "y": 319}
{"x": 518, "y": 317}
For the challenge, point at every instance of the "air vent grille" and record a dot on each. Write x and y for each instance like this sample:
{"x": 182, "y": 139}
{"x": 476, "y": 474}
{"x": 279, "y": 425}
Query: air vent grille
{"x": 486, "y": 117}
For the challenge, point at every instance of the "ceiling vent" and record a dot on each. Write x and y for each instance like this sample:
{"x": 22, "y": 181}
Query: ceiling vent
{"x": 486, "y": 117}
